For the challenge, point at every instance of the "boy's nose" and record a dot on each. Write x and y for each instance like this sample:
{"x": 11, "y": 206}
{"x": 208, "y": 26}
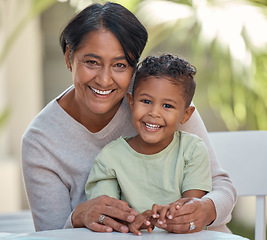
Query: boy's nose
{"x": 155, "y": 111}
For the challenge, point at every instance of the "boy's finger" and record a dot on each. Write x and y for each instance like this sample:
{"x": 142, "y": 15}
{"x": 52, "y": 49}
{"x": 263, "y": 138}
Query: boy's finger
{"x": 172, "y": 210}
{"x": 155, "y": 209}
{"x": 162, "y": 215}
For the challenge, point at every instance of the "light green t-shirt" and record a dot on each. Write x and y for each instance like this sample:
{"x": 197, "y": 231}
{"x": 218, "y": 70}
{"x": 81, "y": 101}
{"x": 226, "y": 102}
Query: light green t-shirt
{"x": 142, "y": 180}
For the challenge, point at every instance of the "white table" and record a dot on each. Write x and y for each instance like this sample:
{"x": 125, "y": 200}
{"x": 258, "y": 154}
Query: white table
{"x": 85, "y": 234}
{"x": 20, "y": 226}
{"x": 19, "y": 222}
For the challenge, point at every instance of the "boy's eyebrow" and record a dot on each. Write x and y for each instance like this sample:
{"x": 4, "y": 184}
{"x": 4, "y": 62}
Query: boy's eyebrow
{"x": 165, "y": 99}
{"x": 170, "y": 100}
{"x": 144, "y": 95}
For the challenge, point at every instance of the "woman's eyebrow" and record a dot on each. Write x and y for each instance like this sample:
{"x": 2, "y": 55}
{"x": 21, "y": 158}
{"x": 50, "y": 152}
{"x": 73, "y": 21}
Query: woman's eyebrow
{"x": 120, "y": 58}
{"x": 98, "y": 57}
{"x": 92, "y": 55}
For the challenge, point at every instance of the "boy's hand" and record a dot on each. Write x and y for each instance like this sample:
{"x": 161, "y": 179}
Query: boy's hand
{"x": 161, "y": 213}
{"x": 142, "y": 221}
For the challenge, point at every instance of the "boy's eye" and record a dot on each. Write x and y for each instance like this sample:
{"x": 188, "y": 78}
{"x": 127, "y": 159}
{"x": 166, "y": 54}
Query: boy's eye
{"x": 167, "y": 106}
{"x": 145, "y": 101}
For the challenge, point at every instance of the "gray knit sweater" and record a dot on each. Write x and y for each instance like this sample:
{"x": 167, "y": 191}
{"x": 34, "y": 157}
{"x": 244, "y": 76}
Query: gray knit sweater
{"x": 58, "y": 152}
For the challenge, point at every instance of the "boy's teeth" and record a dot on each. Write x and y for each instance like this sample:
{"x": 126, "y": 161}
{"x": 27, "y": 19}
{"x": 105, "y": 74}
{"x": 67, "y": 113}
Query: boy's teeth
{"x": 101, "y": 92}
{"x": 153, "y": 126}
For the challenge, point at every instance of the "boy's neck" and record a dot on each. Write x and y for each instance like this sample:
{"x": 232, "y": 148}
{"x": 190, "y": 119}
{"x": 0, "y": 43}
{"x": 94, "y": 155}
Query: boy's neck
{"x": 140, "y": 146}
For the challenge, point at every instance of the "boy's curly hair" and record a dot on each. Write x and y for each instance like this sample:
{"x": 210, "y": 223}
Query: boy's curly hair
{"x": 177, "y": 70}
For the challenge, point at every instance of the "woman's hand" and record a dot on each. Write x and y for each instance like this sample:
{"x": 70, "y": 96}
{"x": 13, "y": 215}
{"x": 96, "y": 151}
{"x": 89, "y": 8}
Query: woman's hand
{"x": 198, "y": 212}
{"x": 88, "y": 213}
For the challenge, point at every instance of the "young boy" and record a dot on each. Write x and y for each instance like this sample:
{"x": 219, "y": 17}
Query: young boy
{"x": 159, "y": 165}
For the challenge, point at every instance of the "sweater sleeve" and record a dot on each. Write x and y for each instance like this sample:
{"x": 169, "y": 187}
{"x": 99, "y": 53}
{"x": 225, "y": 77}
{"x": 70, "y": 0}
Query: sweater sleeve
{"x": 223, "y": 193}
{"x": 48, "y": 196}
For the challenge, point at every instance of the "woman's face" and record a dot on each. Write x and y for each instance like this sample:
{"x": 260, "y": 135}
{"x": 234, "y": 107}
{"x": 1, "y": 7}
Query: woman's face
{"x": 101, "y": 73}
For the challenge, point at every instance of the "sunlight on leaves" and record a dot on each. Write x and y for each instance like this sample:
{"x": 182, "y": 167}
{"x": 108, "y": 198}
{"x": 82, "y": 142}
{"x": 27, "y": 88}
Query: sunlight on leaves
{"x": 227, "y": 42}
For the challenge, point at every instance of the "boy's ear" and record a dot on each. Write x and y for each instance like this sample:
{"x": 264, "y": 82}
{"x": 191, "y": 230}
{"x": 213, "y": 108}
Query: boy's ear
{"x": 130, "y": 100}
{"x": 188, "y": 113}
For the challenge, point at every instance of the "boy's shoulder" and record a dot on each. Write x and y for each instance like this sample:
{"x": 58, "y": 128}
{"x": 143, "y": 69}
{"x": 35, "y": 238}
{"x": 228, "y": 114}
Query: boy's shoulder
{"x": 114, "y": 153}
{"x": 115, "y": 146}
{"x": 188, "y": 136}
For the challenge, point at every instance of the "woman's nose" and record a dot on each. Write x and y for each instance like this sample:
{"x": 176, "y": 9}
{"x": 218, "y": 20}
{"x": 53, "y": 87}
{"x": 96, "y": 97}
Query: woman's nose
{"x": 104, "y": 78}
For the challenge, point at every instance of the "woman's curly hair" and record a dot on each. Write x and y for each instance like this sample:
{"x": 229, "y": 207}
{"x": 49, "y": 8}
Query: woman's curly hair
{"x": 177, "y": 70}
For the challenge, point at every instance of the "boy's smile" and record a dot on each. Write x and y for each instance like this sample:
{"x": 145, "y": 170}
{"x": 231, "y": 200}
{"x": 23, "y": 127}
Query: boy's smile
{"x": 157, "y": 108}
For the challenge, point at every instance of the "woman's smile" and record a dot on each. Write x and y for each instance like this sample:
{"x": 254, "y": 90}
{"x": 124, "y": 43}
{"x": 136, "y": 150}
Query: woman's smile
{"x": 101, "y": 92}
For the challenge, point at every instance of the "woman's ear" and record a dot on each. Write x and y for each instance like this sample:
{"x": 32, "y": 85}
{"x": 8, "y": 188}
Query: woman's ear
{"x": 130, "y": 100}
{"x": 188, "y": 113}
{"x": 68, "y": 58}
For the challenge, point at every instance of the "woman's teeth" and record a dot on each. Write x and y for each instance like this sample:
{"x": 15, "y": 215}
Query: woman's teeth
{"x": 101, "y": 92}
{"x": 152, "y": 126}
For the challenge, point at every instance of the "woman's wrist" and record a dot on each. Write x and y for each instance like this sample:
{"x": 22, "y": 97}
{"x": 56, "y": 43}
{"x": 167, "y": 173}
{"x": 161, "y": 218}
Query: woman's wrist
{"x": 76, "y": 217}
{"x": 210, "y": 210}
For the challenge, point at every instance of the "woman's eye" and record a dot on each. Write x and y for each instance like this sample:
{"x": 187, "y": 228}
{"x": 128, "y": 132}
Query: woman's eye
{"x": 91, "y": 63}
{"x": 120, "y": 66}
{"x": 145, "y": 101}
{"x": 167, "y": 106}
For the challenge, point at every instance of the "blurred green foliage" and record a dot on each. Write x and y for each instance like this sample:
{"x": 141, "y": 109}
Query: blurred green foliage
{"x": 235, "y": 88}
{"x": 219, "y": 38}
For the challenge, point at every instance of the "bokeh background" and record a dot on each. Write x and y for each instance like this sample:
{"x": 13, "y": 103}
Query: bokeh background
{"x": 226, "y": 40}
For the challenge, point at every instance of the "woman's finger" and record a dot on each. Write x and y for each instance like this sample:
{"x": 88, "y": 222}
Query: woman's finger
{"x": 114, "y": 208}
{"x": 87, "y": 214}
{"x": 189, "y": 227}
{"x": 192, "y": 211}
{"x": 114, "y": 212}
{"x": 99, "y": 227}
{"x": 113, "y": 224}
{"x": 122, "y": 205}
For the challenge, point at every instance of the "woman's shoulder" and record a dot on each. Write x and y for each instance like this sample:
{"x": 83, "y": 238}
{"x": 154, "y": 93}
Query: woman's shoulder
{"x": 49, "y": 119}
{"x": 46, "y": 114}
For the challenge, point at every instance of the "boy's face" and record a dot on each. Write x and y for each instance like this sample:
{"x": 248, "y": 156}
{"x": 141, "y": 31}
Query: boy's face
{"x": 157, "y": 108}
